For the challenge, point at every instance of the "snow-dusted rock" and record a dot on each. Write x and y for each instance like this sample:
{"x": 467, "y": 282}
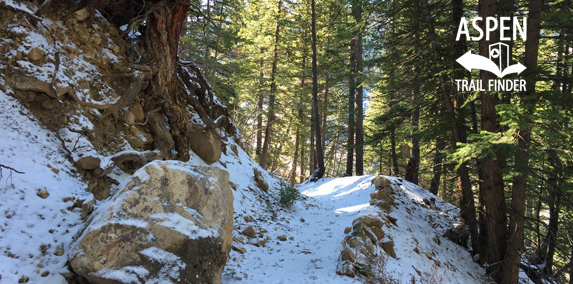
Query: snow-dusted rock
{"x": 260, "y": 180}
{"x": 172, "y": 222}
{"x": 380, "y": 182}
{"x": 205, "y": 144}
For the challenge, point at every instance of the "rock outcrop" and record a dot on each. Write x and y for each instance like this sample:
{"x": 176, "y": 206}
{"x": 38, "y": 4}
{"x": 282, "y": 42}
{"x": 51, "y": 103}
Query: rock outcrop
{"x": 172, "y": 220}
{"x": 367, "y": 238}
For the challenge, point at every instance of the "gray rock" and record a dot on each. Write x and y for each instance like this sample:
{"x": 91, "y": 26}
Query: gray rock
{"x": 173, "y": 220}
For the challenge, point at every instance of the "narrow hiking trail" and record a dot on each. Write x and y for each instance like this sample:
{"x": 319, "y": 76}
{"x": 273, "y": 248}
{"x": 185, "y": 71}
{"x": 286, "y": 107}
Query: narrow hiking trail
{"x": 314, "y": 229}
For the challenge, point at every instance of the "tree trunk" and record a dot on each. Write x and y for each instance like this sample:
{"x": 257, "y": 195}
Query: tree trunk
{"x": 492, "y": 165}
{"x": 519, "y": 189}
{"x": 396, "y": 171}
{"x": 299, "y": 118}
{"x": 162, "y": 42}
{"x": 351, "y": 111}
{"x": 571, "y": 269}
{"x": 319, "y": 172}
{"x": 302, "y": 157}
{"x": 260, "y": 101}
{"x": 312, "y": 150}
{"x": 359, "y": 146}
{"x": 336, "y": 145}
{"x": 271, "y": 115}
{"x": 437, "y": 168}
{"x": 323, "y": 118}
{"x": 416, "y": 115}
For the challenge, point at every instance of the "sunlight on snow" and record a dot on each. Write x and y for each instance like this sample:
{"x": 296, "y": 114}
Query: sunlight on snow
{"x": 354, "y": 208}
{"x": 340, "y": 186}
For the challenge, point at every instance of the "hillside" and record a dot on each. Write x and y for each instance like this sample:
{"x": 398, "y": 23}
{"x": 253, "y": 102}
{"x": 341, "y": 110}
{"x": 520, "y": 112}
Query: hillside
{"x": 34, "y": 228}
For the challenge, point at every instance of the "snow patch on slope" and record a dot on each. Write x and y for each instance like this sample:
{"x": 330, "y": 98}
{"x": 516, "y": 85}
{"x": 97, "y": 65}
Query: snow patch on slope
{"x": 33, "y": 227}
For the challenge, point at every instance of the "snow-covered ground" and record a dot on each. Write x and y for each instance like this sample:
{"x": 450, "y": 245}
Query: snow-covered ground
{"x": 32, "y": 228}
{"x": 317, "y": 227}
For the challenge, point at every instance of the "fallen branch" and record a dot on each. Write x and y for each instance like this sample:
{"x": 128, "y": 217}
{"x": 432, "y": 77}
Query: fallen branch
{"x": 12, "y": 169}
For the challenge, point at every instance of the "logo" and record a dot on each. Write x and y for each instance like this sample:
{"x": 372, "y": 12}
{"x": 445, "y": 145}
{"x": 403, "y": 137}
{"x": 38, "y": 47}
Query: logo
{"x": 499, "y": 56}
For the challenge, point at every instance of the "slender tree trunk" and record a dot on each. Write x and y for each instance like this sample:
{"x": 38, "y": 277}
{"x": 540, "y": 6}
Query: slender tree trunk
{"x": 323, "y": 118}
{"x": 480, "y": 208}
{"x": 351, "y": 111}
{"x": 319, "y": 172}
{"x": 260, "y": 101}
{"x": 276, "y": 153}
{"x": 416, "y": 116}
{"x": 206, "y": 32}
{"x": 437, "y": 168}
{"x": 552, "y": 229}
{"x": 519, "y": 189}
{"x": 299, "y": 118}
{"x": 571, "y": 269}
{"x": 396, "y": 171}
{"x": 359, "y": 147}
{"x": 271, "y": 115}
{"x": 302, "y": 158}
{"x": 493, "y": 187}
{"x": 295, "y": 159}
{"x": 312, "y": 152}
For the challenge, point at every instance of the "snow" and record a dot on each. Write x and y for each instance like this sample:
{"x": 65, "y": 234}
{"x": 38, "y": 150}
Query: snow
{"x": 330, "y": 206}
{"x": 182, "y": 225}
{"x": 128, "y": 274}
{"x": 27, "y": 220}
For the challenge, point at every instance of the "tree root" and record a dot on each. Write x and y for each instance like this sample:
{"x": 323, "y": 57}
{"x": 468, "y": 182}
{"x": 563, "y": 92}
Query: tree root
{"x": 126, "y": 99}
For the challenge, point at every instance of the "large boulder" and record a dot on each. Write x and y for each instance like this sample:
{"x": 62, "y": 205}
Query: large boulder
{"x": 205, "y": 143}
{"x": 172, "y": 222}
